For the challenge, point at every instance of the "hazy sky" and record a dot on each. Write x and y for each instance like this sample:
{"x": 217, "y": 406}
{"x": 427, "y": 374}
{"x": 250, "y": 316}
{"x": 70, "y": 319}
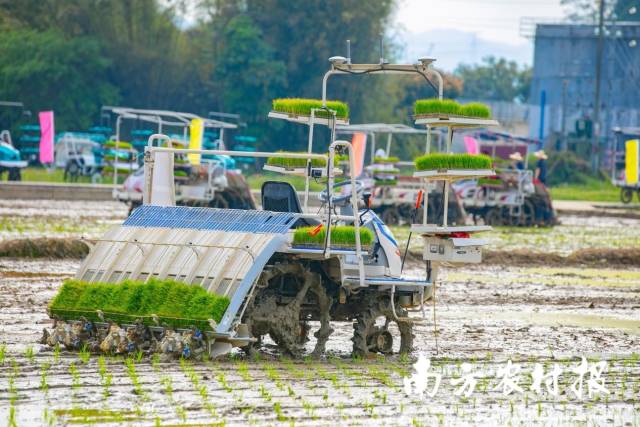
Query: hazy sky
{"x": 496, "y": 20}
{"x": 479, "y": 27}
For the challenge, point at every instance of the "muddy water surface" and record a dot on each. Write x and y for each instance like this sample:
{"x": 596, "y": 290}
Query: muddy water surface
{"x": 484, "y": 316}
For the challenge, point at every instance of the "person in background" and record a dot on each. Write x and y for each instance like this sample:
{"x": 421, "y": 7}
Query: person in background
{"x": 517, "y": 162}
{"x": 543, "y": 212}
{"x": 540, "y": 173}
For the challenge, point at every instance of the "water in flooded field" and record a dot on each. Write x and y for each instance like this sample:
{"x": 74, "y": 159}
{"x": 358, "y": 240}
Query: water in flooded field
{"x": 484, "y": 317}
{"x": 523, "y": 315}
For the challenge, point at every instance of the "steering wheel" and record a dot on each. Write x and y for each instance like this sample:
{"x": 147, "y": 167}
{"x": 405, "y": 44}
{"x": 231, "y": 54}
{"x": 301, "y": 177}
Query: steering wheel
{"x": 342, "y": 199}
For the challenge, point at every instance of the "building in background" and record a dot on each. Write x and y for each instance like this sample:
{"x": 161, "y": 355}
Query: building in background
{"x": 563, "y": 85}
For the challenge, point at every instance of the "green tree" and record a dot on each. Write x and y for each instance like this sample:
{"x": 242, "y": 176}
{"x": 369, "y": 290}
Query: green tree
{"x": 495, "y": 79}
{"x": 615, "y": 10}
{"x": 246, "y": 70}
{"x": 47, "y": 71}
{"x": 627, "y": 10}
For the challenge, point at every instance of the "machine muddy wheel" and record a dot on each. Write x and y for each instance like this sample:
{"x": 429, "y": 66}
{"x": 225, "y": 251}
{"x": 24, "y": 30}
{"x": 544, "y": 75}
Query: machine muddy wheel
{"x": 391, "y": 216}
{"x": 371, "y": 334}
{"x": 527, "y": 215}
{"x": 277, "y": 309}
{"x": 14, "y": 175}
{"x": 218, "y": 201}
{"x": 626, "y": 195}
{"x": 495, "y": 216}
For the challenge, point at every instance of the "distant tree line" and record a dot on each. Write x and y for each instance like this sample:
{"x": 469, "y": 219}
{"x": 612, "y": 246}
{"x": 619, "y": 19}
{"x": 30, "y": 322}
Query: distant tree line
{"x": 74, "y": 56}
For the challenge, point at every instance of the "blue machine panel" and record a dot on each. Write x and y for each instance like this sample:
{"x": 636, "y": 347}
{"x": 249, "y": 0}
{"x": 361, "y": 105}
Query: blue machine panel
{"x": 245, "y": 221}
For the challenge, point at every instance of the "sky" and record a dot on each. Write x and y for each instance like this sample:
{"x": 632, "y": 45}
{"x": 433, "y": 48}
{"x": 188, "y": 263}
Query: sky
{"x": 464, "y": 31}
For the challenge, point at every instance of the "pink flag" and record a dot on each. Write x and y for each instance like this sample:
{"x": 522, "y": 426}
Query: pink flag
{"x": 472, "y": 145}
{"x": 46, "y": 136}
{"x": 359, "y": 144}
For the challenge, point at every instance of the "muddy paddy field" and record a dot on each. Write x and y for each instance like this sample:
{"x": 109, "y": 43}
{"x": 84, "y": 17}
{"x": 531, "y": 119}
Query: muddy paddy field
{"x": 485, "y": 316}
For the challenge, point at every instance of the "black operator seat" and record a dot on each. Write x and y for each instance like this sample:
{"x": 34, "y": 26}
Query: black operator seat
{"x": 282, "y": 197}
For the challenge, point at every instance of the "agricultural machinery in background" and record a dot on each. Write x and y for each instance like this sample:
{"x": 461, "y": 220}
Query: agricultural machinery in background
{"x": 10, "y": 161}
{"x": 388, "y": 178}
{"x": 200, "y": 179}
{"x": 511, "y": 197}
{"x": 79, "y": 154}
{"x": 625, "y": 164}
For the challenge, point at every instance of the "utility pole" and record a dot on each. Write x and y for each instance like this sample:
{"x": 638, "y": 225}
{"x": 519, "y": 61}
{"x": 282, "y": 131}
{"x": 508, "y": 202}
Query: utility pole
{"x": 563, "y": 130}
{"x": 596, "y": 106}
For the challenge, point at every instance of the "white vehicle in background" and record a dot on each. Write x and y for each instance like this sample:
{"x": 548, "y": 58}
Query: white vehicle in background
{"x": 78, "y": 155}
{"x": 211, "y": 181}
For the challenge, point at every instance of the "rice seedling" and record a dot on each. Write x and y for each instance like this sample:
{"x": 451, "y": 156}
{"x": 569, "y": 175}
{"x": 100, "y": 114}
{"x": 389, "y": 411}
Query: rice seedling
{"x": 44, "y": 385}
{"x": 106, "y": 378}
{"x": 189, "y": 372}
{"x": 223, "y": 382}
{"x": 436, "y": 106}
{"x": 3, "y": 353}
{"x": 382, "y": 376}
{"x": 292, "y": 368}
{"x": 173, "y": 303}
{"x": 122, "y": 145}
{"x": 277, "y": 408}
{"x": 369, "y": 407}
{"x": 309, "y": 409}
{"x": 243, "y": 370}
{"x": 13, "y": 394}
{"x": 273, "y": 375}
{"x": 56, "y": 353}
{"x": 388, "y": 182}
{"x": 12, "y": 416}
{"x": 490, "y": 182}
{"x": 476, "y": 109}
{"x": 182, "y": 413}
{"x": 84, "y": 355}
{"x": 303, "y": 107}
{"x": 386, "y": 160}
{"x": 155, "y": 362}
{"x": 440, "y": 161}
{"x": 133, "y": 376}
{"x": 264, "y": 393}
{"x": 167, "y": 388}
{"x": 29, "y": 354}
{"x": 289, "y": 164}
{"x": 381, "y": 396}
{"x": 75, "y": 376}
{"x": 341, "y": 236}
{"x": 49, "y": 417}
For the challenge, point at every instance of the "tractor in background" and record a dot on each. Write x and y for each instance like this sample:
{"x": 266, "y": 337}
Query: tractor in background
{"x": 511, "y": 197}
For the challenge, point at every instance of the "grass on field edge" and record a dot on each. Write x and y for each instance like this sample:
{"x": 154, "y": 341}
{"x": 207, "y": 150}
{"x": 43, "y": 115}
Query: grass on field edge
{"x": 593, "y": 191}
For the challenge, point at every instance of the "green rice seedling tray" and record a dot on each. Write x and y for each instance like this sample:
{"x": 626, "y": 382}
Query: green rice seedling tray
{"x": 303, "y": 107}
{"x": 121, "y": 145}
{"x": 385, "y": 160}
{"x": 163, "y": 302}
{"x": 450, "y": 108}
{"x": 442, "y": 161}
{"x": 341, "y": 236}
{"x": 385, "y": 181}
{"x": 490, "y": 182}
{"x": 288, "y": 163}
